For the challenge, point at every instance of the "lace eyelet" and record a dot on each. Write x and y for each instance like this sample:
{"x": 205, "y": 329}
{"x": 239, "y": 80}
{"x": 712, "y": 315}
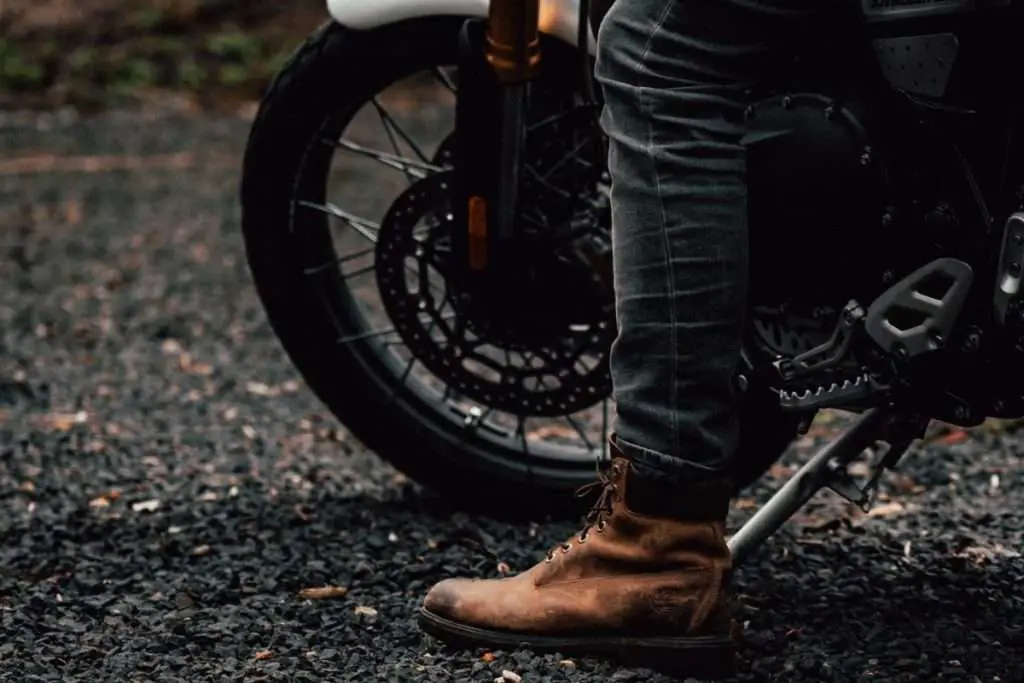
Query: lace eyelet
{"x": 581, "y": 539}
{"x": 566, "y": 547}
{"x": 601, "y": 526}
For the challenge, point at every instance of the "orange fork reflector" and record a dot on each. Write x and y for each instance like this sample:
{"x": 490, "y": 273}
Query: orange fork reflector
{"x": 477, "y": 233}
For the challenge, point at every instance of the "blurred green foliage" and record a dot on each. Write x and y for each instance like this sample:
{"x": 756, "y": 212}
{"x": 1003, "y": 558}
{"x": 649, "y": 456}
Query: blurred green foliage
{"x": 153, "y": 48}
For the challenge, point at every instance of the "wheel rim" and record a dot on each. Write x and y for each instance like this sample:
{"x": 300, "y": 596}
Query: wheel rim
{"x": 342, "y": 268}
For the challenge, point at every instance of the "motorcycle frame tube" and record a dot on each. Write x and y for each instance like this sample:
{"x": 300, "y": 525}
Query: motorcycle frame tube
{"x": 558, "y": 18}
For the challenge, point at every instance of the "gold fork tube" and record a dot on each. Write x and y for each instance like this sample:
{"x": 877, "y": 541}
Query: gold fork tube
{"x": 513, "y": 39}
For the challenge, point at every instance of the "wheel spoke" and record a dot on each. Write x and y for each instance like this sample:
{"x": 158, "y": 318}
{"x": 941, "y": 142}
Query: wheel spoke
{"x": 393, "y": 128}
{"x": 575, "y": 424}
{"x": 569, "y": 156}
{"x": 445, "y": 79}
{"x": 411, "y": 167}
{"x": 367, "y": 229}
{"x": 359, "y": 271}
{"x": 360, "y": 336}
{"x": 337, "y": 262}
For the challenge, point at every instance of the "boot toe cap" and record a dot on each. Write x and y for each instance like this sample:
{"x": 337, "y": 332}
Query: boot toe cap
{"x": 442, "y": 600}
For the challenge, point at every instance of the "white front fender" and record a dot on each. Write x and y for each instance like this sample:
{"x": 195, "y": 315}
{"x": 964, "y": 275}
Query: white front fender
{"x": 559, "y": 18}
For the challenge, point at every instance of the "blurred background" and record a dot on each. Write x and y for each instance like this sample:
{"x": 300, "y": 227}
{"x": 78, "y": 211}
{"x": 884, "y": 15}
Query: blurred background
{"x": 96, "y": 53}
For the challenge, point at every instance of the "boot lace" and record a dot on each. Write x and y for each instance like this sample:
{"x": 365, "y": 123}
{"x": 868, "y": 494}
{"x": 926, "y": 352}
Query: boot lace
{"x": 597, "y": 518}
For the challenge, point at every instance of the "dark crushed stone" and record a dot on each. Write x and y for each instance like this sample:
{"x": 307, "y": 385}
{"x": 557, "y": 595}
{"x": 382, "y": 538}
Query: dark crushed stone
{"x": 260, "y": 497}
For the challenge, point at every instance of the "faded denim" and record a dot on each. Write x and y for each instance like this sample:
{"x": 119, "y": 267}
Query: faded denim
{"x": 674, "y": 75}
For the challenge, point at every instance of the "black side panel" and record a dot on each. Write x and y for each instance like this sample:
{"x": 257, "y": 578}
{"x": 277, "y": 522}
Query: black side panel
{"x": 952, "y": 52}
{"x": 920, "y": 65}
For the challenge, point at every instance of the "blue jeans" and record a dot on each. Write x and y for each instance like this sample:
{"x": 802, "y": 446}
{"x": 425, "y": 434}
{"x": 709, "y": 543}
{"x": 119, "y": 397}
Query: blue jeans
{"x": 674, "y": 75}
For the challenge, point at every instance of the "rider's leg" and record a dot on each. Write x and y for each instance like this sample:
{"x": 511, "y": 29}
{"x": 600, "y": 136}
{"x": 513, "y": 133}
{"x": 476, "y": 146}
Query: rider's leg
{"x": 673, "y": 73}
{"x": 652, "y": 560}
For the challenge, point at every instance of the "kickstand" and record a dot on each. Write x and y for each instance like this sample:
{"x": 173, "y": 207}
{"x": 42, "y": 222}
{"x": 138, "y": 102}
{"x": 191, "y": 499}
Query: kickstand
{"x": 828, "y": 469}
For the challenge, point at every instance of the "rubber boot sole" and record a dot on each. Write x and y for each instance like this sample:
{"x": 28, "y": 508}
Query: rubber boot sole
{"x": 708, "y": 657}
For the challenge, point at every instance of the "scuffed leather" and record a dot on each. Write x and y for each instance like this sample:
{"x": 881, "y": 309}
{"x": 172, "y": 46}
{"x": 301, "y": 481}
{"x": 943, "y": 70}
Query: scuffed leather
{"x": 631, "y": 575}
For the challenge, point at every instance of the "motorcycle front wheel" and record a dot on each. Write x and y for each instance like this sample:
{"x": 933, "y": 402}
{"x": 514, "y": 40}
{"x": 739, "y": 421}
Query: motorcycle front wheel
{"x": 316, "y": 231}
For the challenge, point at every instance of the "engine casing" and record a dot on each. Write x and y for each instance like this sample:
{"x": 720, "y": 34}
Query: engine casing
{"x": 837, "y": 198}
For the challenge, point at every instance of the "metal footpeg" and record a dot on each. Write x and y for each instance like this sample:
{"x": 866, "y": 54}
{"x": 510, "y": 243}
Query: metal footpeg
{"x": 844, "y": 393}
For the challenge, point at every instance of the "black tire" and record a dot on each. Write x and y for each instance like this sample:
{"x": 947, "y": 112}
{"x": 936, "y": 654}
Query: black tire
{"x": 333, "y": 74}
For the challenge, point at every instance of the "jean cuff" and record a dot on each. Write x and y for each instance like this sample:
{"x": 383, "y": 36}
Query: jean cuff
{"x": 656, "y": 463}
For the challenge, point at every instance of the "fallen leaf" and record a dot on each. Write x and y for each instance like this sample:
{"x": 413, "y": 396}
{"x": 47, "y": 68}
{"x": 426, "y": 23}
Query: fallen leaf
{"x": 567, "y": 664}
{"x": 745, "y": 504}
{"x": 980, "y": 554}
{"x": 323, "y": 592}
{"x": 825, "y": 417}
{"x": 202, "y": 369}
{"x": 954, "y": 437}
{"x": 99, "y": 502}
{"x": 27, "y": 487}
{"x": 63, "y": 422}
{"x": 504, "y": 569}
{"x": 263, "y": 654}
{"x": 146, "y": 506}
{"x": 73, "y": 212}
{"x": 887, "y": 510}
{"x": 553, "y": 430}
{"x": 258, "y": 389}
{"x": 511, "y": 677}
{"x": 171, "y": 347}
{"x": 364, "y": 611}
{"x": 201, "y": 550}
{"x": 488, "y": 657}
{"x": 249, "y": 432}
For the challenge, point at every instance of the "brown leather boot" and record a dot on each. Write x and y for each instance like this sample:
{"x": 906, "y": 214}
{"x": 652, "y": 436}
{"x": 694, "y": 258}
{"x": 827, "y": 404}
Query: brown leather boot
{"x": 644, "y": 582}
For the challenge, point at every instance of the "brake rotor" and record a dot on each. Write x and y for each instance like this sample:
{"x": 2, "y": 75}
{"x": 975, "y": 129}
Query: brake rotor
{"x": 444, "y": 328}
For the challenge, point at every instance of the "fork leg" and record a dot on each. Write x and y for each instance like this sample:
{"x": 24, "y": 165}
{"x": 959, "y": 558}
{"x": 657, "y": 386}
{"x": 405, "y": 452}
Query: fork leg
{"x": 819, "y": 472}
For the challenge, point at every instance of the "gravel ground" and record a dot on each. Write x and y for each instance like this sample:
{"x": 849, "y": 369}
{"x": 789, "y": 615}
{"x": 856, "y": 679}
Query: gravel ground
{"x": 169, "y": 491}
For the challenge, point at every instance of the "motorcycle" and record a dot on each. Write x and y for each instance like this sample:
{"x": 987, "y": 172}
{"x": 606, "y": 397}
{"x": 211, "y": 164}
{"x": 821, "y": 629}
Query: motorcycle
{"x": 886, "y": 204}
